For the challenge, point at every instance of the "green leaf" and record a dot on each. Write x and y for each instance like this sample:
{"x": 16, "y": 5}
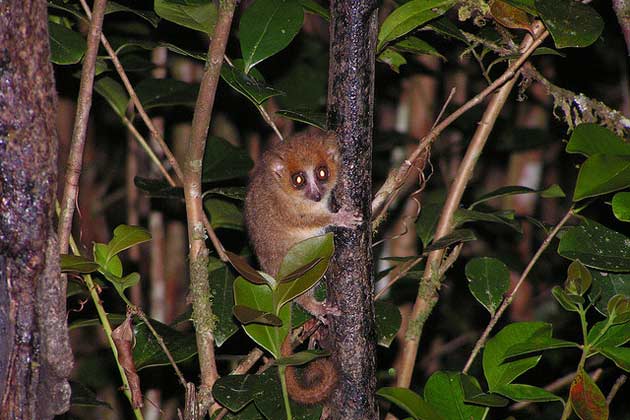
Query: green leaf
{"x": 72, "y": 8}
{"x": 251, "y": 85}
{"x": 522, "y": 392}
{"x": 200, "y": 15}
{"x": 158, "y": 188}
{"x": 392, "y": 58}
{"x": 607, "y": 285}
{"x": 593, "y": 139}
{"x": 619, "y": 309}
{"x": 313, "y": 7}
{"x": 427, "y": 222}
{"x": 621, "y": 206}
{"x": 125, "y": 237}
{"x": 563, "y": 299}
{"x": 66, "y": 45}
{"x": 587, "y": 400}
{"x": 114, "y": 93}
{"x": 408, "y": 17}
{"x": 82, "y": 396}
{"x": 614, "y": 336}
{"x": 488, "y": 280}
{"x": 234, "y": 392}
{"x": 149, "y": 16}
{"x": 156, "y": 93}
{"x": 410, "y": 402}
{"x": 316, "y": 119}
{"x": 571, "y": 24}
{"x": 619, "y": 355}
{"x": 504, "y": 217}
{"x": 113, "y": 266}
{"x": 473, "y": 394}
{"x": 455, "y": 237}
{"x": 302, "y": 357}
{"x": 496, "y": 371}
{"x": 444, "y": 392}
{"x": 221, "y": 282}
{"x": 260, "y": 297}
{"x": 267, "y": 27}
{"x": 388, "y": 321}
{"x": 222, "y": 161}
{"x": 443, "y": 26}
{"x": 150, "y": 45}
{"x": 579, "y": 279}
{"x": 319, "y": 247}
{"x": 525, "y": 5}
{"x": 540, "y": 341}
{"x": 415, "y": 45}
{"x": 224, "y": 214}
{"x": 77, "y": 264}
{"x": 602, "y": 174}
{"x": 247, "y": 315}
{"x": 553, "y": 191}
{"x": 147, "y": 351}
{"x": 596, "y": 246}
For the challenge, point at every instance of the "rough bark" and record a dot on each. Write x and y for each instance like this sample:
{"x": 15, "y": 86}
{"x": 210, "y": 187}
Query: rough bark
{"x": 35, "y": 356}
{"x": 350, "y": 284}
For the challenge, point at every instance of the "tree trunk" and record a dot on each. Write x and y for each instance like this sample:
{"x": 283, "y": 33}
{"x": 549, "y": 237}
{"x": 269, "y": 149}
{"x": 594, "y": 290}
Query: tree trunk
{"x": 35, "y": 355}
{"x": 350, "y": 285}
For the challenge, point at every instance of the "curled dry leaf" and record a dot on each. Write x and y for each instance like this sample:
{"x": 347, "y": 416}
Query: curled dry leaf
{"x": 123, "y": 339}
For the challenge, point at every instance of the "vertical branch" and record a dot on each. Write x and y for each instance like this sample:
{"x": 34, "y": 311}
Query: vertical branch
{"x": 350, "y": 285}
{"x": 75, "y": 160}
{"x": 431, "y": 280}
{"x": 198, "y": 256}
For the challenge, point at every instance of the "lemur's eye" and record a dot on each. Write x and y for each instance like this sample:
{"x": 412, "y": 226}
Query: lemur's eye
{"x": 322, "y": 173}
{"x": 299, "y": 180}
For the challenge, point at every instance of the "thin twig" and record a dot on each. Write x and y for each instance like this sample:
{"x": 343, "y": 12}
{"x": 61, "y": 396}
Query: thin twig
{"x": 397, "y": 178}
{"x": 79, "y": 132}
{"x": 615, "y": 388}
{"x": 202, "y": 316}
{"x": 430, "y": 283}
{"x": 160, "y": 340}
{"x": 156, "y": 135}
{"x": 404, "y": 269}
{"x": 510, "y": 296}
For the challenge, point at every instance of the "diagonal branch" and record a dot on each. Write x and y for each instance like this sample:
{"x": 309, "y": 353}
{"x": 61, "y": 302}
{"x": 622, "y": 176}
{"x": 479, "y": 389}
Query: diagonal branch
{"x": 79, "y": 133}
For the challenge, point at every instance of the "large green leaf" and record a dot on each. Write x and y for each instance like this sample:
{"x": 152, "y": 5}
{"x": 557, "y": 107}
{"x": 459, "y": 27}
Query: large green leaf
{"x": 473, "y": 394}
{"x": 427, "y": 222}
{"x": 619, "y": 355}
{"x": 77, "y": 264}
{"x": 147, "y": 351}
{"x": 411, "y": 402}
{"x": 607, "y": 285}
{"x": 234, "y": 392}
{"x": 444, "y": 392}
{"x": 222, "y": 161}
{"x": 453, "y": 238}
{"x": 221, "y": 282}
{"x": 224, "y": 214}
{"x": 523, "y": 392}
{"x": 602, "y": 174}
{"x": 155, "y": 93}
{"x": 259, "y": 297}
{"x": 571, "y": 23}
{"x": 553, "y": 191}
{"x": 621, "y": 206}
{"x": 392, "y": 58}
{"x": 251, "y": 85}
{"x": 592, "y": 139}
{"x": 415, "y": 45}
{"x": 541, "y": 340}
{"x": 66, "y": 45}
{"x": 149, "y": 16}
{"x": 316, "y": 119}
{"x": 114, "y": 93}
{"x": 301, "y": 254}
{"x": 408, "y": 17}
{"x": 200, "y": 15}
{"x": 613, "y": 336}
{"x": 125, "y": 237}
{"x": 497, "y": 371}
{"x": 504, "y": 217}
{"x": 488, "y": 280}
{"x": 388, "y": 320}
{"x": 596, "y": 246}
{"x": 267, "y": 27}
